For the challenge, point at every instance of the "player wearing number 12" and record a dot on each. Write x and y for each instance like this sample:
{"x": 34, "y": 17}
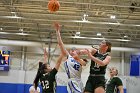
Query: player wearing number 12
{"x": 73, "y": 65}
{"x": 46, "y": 75}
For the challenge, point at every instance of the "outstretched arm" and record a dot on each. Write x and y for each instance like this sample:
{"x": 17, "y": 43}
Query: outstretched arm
{"x": 36, "y": 80}
{"x": 59, "y": 62}
{"x": 84, "y": 51}
{"x": 98, "y": 61}
{"x": 83, "y": 62}
{"x": 59, "y": 39}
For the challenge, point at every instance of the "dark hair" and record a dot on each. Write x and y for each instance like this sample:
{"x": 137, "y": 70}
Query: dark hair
{"x": 108, "y": 43}
{"x": 44, "y": 66}
{"x": 40, "y": 64}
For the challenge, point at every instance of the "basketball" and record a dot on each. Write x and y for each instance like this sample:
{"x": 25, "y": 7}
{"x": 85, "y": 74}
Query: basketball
{"x": 53, "y": 5}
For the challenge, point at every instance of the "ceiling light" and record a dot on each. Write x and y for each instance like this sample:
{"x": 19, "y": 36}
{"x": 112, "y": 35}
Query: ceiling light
{"x": 1, "y": 28}
{"x": 122, "y": 40}
{"x": 112, "y": 16}
{"x": 22, "y": 34}
{"x": 88, "y": 38}
{"x": 125, "y": 40}
{"x": 84, "y": 18}
{"x": 11, "y": 17}
{"x": 79, "y": 37}
{"x": 99, "y": 34}
{"x": 21, "y": 29}
{"x": 125, "y": 36}
{"x": 14, "y": 33}
{"x": 3, "y": 33}
{"x": 13, "y": 12}
{"x": 77, "y": 34}
{"x": 85, "y": 15}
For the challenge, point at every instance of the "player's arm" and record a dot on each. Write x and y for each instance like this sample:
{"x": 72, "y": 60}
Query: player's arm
{"x": 58, "y": 62}
{"x": 84, "y": 51}
{"x": 36, "y": 80}
{"x": 121, "y": 89}
{"x": 83, "y": 62}
{"x": 59, "y": 39}
{"x": 98, "y": 61}
{"x": 119, "y": 85}
{"x": 55, "y": 69}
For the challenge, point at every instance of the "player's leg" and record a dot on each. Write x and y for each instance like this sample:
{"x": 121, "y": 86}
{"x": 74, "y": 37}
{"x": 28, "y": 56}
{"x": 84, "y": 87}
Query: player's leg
{"x": 89, "y": 88}
{"x": 99, "y": 90}
{"x": 73, "y": 87}
{"x": 100, "y": 85}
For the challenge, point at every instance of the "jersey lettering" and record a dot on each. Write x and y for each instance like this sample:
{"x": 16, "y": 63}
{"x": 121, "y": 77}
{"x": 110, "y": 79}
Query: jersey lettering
{"x": 72, "y": 60}
{"x": 76, "y": 67}
{"x": 45, "y": 84}
{"x": 96, "y": 65}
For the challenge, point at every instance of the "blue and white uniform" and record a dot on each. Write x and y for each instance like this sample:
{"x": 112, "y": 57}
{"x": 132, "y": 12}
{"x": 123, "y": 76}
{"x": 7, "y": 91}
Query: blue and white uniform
{"x": 73, "y": 70}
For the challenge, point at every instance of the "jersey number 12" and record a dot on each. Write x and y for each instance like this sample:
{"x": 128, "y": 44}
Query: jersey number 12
{"x": 45, "y": 84}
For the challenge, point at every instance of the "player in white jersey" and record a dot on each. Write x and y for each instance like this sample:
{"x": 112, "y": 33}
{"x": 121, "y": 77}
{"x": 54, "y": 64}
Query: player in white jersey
{"x": 73, "y": 65}
{"x": 73, "y": 70}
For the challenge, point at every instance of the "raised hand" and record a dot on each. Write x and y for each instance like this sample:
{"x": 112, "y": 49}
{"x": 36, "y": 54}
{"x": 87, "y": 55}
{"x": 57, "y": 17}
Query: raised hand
{"x": 88, "y": 52}
{"x": 57, "y": 26}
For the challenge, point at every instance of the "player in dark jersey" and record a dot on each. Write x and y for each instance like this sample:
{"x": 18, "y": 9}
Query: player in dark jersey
{"x": 100, "y": 58}
{"x": 46, "y": 76}
{"x": 114, "y": 84}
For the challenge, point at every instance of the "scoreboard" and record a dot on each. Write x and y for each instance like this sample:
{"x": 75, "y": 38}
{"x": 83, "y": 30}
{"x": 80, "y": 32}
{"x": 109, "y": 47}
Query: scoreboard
{"x": 4, "y": 60}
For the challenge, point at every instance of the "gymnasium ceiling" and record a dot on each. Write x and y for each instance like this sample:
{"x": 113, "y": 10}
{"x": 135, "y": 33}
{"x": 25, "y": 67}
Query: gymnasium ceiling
{"x": 30, "y": 20}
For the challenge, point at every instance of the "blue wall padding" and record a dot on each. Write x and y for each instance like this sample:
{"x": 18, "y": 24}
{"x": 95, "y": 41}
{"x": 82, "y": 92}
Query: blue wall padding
{"x": 24, "y": 88}
{"x": 135, "y": 65}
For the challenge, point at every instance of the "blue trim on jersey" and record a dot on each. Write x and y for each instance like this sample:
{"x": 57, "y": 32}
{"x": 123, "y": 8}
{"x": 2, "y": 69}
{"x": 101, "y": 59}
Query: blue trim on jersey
{"x": 69, "y": 87}
{"x": 67, "y": 69}
{"x": 75, "y": 88}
